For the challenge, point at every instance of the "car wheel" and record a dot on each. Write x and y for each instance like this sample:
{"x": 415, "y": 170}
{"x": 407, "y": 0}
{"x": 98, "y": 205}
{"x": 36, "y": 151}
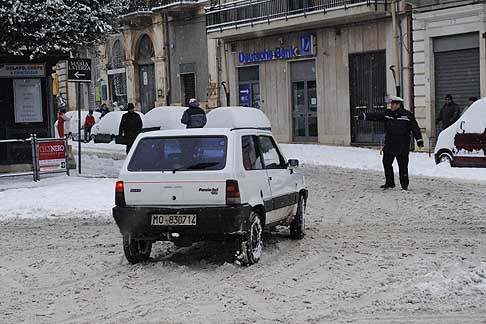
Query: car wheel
{"x": 252, "y": 242}
{"x": 445, "y": 158}
{"x": 297, "y": 227}
{"x": 136, "y": 250}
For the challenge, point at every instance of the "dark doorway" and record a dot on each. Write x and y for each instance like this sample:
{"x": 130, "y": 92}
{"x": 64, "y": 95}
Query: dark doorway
{"x": 367, "y": 88}
{"x": 146, "y": 74}
{"x": 188, "y": 87}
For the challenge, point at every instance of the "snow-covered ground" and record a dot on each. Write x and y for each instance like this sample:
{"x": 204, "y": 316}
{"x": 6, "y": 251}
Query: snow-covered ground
{"x": 91, "y": 195}
{"x": 370, "y": 256}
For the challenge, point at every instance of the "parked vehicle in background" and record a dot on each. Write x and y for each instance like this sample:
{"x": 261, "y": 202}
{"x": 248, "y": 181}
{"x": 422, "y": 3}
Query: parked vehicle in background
{"x": 161, "y": 118}
{"x": 71, "y": 126}
{"x": 463, "y": 144}
{"x": 108, "y": 127}
{"x": 227, "y": 183}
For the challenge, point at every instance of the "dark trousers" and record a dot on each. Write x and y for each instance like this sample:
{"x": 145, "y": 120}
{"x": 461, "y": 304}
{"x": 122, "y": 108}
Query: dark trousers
{"x": 130, "y": 141}
{"x": 402, "y": 161}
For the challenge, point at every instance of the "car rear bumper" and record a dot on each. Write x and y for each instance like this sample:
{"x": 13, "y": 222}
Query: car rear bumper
{"x": 211, "y": 222}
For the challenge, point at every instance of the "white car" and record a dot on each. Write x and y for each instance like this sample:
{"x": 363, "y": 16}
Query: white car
{"x": 71, "y": 126}
{"x": 227, "y": 183}
{"x": 463, "y": 144}
{"x": 161, "y": 118}
{"x": 107, "y": 129}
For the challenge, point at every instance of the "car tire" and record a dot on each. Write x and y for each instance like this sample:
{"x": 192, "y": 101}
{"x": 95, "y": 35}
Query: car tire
{"x": 136, "y": 250}
{"x": 251, "y": 243}
{"x": 297, "y": 226}
{"x": 445, "y": 158}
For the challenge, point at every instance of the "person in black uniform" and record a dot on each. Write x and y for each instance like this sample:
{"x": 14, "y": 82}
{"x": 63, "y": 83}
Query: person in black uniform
{"x": 398, "y": 125}
{"x": 130, "y": 126}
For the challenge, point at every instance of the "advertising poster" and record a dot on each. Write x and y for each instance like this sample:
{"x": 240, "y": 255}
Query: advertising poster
{"x": 52, "y": 156}
{"x": 28, "y": 100}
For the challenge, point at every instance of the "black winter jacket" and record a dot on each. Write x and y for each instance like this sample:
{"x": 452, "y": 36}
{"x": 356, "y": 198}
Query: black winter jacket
{"x": 398, "y": 125}
{"x": 130, "y": 125}
{"x": 194, "y": 117}
{"x": 449, "y": 114}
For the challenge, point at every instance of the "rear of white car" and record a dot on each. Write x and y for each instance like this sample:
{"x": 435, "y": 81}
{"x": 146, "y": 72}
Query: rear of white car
{"x": 179, "y": 185}
{"x": 188, "y": 185}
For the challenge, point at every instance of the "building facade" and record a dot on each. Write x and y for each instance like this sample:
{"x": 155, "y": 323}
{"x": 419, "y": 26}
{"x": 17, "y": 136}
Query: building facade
{"x": 311, "y": 66}
{"x": 449, "y": 57}
{"x": 160, "y": 57}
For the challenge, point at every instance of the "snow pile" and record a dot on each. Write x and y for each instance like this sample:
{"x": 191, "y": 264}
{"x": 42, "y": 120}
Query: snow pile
{"x": 367, "y": 159}
{"x": 458, "y": 279}
{"x": 58, "y": 196}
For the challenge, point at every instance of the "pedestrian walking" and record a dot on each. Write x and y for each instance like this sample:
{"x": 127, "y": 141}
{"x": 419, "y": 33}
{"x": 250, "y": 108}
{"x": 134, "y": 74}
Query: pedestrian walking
{"x": 449, "y": 113}
{"x": 398, "y": 125}
{"x": 89, "y": 121}
{"x": 194, "y": 116}
{"x": 61, "y": 118}
{"x": 471, "y": 101}
{"x": 130, "y": 126}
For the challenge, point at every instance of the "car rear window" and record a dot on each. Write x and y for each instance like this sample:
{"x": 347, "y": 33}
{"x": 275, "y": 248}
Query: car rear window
{"x": 188, "y": 153}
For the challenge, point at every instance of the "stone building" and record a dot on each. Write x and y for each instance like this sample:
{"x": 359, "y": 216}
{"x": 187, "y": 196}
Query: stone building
{"x": 311, "y": 66}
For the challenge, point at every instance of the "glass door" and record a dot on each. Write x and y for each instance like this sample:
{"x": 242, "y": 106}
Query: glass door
{"x": 304, "y": 101}
{"x": 304, "y": 111}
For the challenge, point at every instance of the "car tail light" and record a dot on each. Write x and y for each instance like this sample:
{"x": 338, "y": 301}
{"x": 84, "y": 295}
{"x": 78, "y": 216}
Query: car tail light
{"x": 232, "y": 193}
{"x": 120, "y": 194}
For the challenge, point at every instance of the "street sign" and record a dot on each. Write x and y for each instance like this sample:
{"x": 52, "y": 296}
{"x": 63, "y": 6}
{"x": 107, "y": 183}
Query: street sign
{"x": 79, "y": 70}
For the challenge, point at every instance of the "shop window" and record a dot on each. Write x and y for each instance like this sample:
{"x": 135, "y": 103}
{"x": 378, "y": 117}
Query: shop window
{"x": 249, "y": 86}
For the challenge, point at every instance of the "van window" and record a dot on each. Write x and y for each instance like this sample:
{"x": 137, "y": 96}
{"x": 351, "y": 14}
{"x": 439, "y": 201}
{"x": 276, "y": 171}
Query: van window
{"x": 251, "y": 157}
{"x": 188, "y": 153}
{"x": 272, "y": 158}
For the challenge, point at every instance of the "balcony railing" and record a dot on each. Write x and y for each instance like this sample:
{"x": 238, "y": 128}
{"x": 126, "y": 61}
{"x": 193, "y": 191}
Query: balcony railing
{"x": 244, "y": 12}
{"x": 139, "y": 6}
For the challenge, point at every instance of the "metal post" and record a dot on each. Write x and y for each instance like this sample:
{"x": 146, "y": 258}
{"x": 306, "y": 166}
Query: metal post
{"x": 36, "y": 154}
{"x": 78, "y": 106}
{"x": 33, "y": 157}
{"x": 66, "y": 155}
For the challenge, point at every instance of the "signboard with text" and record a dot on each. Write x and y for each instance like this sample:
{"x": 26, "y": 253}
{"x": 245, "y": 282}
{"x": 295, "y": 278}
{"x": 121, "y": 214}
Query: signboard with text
{"x": 28, "y": 100}
{"x": 245, "y": 94}
{"x": 305, "y": 48}
{"x": 79, "y": 70}
{"x": 52, "y": 156}
{"x": 22, "y": 71}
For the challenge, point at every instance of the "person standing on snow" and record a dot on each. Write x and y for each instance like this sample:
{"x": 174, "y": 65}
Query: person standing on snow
{"x": 449, "y": 113}
{"x": 61, "y": 118}
{"x": 194, "y": 116}
{"x": 89, "y": 121}
{"x": 130, "y": 126}
{"x": 398, "y": 125}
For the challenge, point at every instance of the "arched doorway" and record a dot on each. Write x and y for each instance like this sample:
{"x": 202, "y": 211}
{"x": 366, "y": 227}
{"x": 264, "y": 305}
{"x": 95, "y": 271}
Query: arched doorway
{"x": 146, "y": 69}
{"x": 117, "y": 79}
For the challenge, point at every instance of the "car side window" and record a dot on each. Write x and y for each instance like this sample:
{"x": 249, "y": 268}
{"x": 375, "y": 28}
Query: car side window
{"x": 272, "y": 158}
{"x": 251, "y": 157}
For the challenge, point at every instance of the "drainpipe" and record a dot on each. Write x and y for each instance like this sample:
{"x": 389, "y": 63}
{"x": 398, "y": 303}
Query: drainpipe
{"x": 167, "y": 60}
{"x": 396, "y": 37}
{"x": 411, "y": 89}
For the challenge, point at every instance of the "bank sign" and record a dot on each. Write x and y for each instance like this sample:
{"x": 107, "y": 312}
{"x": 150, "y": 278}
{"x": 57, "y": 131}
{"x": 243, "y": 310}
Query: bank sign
{"x": 306, "y": 48}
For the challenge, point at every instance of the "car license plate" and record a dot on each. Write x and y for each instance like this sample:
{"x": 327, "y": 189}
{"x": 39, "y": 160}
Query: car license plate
{"x": 173, "y": 220}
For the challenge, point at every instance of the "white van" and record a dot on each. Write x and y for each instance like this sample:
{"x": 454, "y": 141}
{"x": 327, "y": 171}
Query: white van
{"x": 463, "y": 144}
{"x": 228, "y": 182}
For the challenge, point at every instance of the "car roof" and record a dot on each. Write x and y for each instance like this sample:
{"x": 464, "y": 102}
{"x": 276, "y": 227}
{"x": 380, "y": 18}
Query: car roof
{"x": 202, "y": 132}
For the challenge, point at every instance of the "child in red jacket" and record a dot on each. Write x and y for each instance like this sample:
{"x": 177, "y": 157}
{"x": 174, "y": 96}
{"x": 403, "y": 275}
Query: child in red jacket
{"x": 88, "y": 123}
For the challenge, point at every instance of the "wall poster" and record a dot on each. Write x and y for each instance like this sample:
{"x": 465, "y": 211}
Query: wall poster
{"x": 28, "y": 100}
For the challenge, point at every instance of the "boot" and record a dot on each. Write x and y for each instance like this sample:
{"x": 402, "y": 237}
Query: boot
{"x": 387, "y": 185}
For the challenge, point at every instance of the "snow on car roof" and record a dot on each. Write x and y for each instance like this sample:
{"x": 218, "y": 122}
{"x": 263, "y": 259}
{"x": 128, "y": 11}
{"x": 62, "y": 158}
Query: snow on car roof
{"x": 238, "y": 117}
{"x": 164, "y": 117}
